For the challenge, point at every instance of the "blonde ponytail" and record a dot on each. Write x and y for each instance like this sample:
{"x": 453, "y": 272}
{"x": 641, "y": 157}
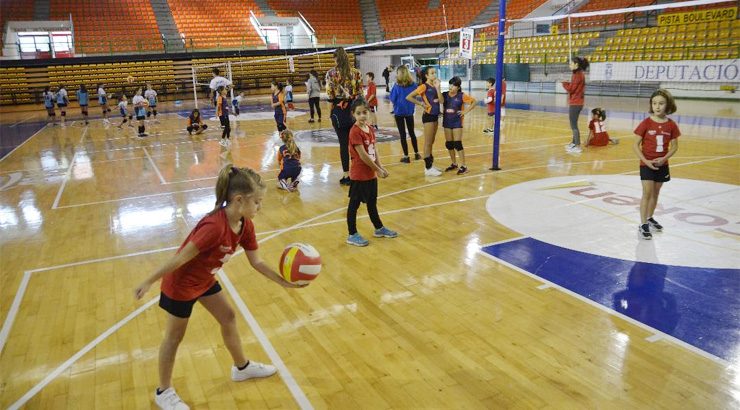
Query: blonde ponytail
{"x": 287, "y": 137}
{"x": 233, "y": 181}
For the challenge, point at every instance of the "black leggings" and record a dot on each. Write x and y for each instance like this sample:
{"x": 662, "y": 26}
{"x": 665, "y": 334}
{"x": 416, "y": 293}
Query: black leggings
{"x": 227, "y": 126}
{"x": 409, "y": 120}
{"x": 343, "y": 135}
{"x": 372, "y": 211}
{"x": 314, "y": 102}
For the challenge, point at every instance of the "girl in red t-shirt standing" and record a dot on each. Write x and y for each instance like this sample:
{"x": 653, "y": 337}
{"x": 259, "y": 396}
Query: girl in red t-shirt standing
{"x": 657, "y": 140}
{"x": 372, "y": 98}
{"x": 576, "y": 89}
{"x": 190, "y": 276}
{"x": 362, "y": 174}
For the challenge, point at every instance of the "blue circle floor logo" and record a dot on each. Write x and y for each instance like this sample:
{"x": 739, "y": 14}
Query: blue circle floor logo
{"x": 599, "y": 214}
{"x": 327, "y": 136}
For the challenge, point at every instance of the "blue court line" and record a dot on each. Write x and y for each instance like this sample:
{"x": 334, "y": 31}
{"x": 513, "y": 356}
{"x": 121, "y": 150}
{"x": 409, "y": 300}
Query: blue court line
{"x": 699, "y": 306}
{"x": 12, "y": 137}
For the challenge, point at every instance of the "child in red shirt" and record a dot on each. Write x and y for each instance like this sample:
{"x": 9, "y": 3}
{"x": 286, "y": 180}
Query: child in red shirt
{"x": 657, "y": 140}
{"x": 372, "y": 99}
{"x": 189, "y": 277}
{"x": 597, "y": 135}
{"x": 362, "y": 174}
{"x": 491, "y": 101}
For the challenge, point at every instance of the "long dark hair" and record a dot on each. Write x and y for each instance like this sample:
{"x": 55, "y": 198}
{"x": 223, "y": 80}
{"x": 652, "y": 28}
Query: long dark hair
{"x": 343, "y": 63}
{"x": 423, "y": 75}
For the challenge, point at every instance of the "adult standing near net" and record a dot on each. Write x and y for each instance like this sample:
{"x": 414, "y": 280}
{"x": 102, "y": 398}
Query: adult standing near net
{"x": 576, "y": 89}
{"x": 216, "y": 82}
{"x": 343, "y": 86}
{"x": 387, "y": 75}
{"x": 313, "y": 89}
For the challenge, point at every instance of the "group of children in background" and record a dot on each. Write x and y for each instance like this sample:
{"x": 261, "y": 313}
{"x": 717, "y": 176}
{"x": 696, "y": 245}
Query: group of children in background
{"x": 145, "y": 105}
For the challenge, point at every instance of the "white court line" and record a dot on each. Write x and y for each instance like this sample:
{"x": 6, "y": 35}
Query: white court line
{"x": 710, "y": 158}
{"x": 64, "y": 182}
{"x": 69, "y": 362}
{"x": 156, "y": 169}
{"x": 264, "y": 341}
{"x": 275, "y": 358}
{"x": 626, "y": 318}
{"x": 23, "y": 120}
{"x": 23, "y": 143}
{"x": 68, "y": 174}
{"x": 8, "y": 323}
{"x": 21, "y": 291}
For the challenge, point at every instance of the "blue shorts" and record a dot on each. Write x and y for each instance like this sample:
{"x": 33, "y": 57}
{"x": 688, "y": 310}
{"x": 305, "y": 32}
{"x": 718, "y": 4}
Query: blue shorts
{"x": 449, "y": 121}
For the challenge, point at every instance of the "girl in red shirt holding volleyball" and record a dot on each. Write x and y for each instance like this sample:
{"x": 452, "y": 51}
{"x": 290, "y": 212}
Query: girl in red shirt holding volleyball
{"x": 657, "y": 140}
{"x": 362, "y": 174}
{"x": 190, "y": 276}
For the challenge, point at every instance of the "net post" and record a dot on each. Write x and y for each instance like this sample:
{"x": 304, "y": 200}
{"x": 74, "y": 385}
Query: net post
{"x": 499, "y": 79}
{"x": 231, "y": 78}
{"x": 195, "y": 86}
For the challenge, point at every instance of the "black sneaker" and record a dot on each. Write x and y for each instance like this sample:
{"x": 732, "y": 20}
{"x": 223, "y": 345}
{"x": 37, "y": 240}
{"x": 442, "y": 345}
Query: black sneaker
{"x": 417, "y": 156}
{"x": 643, "y": 231}
{"x": 655, "y": 225}
{"x": 311, "y": 121}
{"x": 344, "y": 181}
{"x": 462, "y": 170}
{"x": 452, "y": 167}
{"x": 406, "y": 160}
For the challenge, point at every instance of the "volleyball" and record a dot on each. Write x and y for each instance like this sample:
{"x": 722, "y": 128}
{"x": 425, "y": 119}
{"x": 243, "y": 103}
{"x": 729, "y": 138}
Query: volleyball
{"x": 300, "y": 263}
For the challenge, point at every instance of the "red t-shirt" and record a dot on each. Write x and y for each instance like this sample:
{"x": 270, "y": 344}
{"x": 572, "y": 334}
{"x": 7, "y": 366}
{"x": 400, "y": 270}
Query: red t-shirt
{"x": 492, "y": 95}
{"x": 601, "y": 137}
{"x": 656, "y": 137}
{"x": 216, "y": 242}
{"x": 371, "y": 91}
{"x": 358, "y": 170}
{"x": 576, "y": 88}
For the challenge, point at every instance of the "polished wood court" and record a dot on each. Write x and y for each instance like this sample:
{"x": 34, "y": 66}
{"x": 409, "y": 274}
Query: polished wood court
{"x": 421, "y": 321}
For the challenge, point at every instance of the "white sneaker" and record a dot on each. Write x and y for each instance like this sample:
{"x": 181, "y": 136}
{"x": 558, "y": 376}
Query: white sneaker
{"x": 169, "y": 400}
{"x": 222, "y": 142}
{"x": 575, "y": 149}
{"x": 432, "y": 172}
{"x": 283, "y": 184}
{"x": 569, "y": 146}
{"x": 253, "y": 370}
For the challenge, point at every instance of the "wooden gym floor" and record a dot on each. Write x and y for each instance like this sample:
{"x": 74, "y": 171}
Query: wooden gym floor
{"x": 426, "y": 320}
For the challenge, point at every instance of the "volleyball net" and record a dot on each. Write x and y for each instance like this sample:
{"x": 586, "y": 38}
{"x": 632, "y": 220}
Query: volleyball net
{"x": 689, "y": 45}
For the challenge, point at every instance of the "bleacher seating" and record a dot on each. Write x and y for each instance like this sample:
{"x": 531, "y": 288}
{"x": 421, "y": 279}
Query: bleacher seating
{"x": 548, "y": 49}
{"x": 14, "y": 86}
{"x": 335, "y": 22}
{"x": 14, "y": 10}
{"x": 713, "y": 40}
{"x": 216, "y": 24}
{"x": 403, "y": 18}
{"x": 107, "y": 26}
{"x": 593, "y": 22}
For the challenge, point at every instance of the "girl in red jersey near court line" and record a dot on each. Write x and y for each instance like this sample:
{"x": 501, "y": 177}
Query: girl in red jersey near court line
{"x": 190, "y": 276}
{"x": 657, "y": 140}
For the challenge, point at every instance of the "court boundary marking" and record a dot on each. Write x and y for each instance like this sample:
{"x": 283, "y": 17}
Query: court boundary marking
{"x": 394, "y": 164}
{"x": 285, "y": 373}
{"x": 7, "y": 325}
{"x": 655, "y": 334}
{"x": 22, "y": 143}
